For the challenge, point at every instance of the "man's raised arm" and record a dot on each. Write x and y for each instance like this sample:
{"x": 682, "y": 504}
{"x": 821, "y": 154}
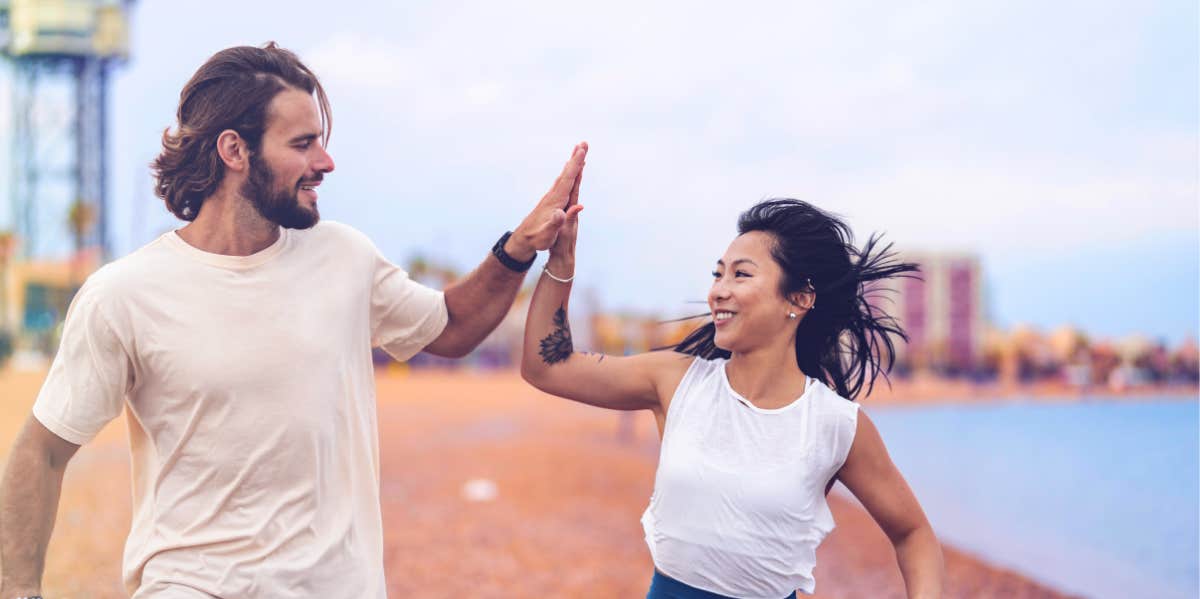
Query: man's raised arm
{"x": 478, "y": 302}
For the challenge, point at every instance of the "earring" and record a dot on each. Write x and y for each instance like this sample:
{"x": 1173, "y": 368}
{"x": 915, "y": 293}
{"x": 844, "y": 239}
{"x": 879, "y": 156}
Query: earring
{"x": 791, "y": 314}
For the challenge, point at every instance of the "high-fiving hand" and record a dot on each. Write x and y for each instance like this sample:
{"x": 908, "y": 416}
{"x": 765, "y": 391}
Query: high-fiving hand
{"x": 564, "y": 245}
{"x": 556, "y": 210}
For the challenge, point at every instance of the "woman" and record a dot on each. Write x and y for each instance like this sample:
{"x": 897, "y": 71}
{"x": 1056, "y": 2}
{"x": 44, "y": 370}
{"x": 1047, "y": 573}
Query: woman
{"x": 755, "y": 409}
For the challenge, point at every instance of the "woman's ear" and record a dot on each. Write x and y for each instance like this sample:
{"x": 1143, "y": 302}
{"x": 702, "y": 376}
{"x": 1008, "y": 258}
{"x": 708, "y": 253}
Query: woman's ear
{"x": 803, "y": 300}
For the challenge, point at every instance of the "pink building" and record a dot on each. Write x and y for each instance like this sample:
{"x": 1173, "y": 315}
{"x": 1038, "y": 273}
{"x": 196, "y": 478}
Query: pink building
{"x": 942, "y": 312}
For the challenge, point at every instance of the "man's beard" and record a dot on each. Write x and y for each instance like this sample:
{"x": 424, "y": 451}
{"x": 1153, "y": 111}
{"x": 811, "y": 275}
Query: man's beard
{"x": 282, "y": 206}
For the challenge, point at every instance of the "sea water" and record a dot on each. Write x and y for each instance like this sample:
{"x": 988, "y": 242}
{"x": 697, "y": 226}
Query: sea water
{"x": 1100, "y": 498}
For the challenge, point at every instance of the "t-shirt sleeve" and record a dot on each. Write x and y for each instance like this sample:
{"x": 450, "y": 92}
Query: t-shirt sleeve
{"x": 90, "y": 375}
{"x": 405, "y": 315}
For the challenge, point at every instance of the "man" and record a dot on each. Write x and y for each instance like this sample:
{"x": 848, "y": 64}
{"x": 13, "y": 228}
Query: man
{"x": 240, "y": 346}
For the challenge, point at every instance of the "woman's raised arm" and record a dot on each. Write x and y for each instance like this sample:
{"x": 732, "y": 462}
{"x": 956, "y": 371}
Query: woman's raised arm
{"x": 549, "y": 360}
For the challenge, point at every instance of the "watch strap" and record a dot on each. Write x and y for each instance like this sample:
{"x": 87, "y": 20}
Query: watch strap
{"x": 507, "y": 260}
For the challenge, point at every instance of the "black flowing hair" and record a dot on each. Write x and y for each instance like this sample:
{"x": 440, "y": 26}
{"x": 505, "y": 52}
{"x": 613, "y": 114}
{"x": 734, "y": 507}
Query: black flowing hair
{"x": 844, "y": 340}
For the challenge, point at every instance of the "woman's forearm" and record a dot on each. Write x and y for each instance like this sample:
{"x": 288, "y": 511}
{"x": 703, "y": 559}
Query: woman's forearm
{"x": 547, "y": 333}
{"x": 920, "y": 557}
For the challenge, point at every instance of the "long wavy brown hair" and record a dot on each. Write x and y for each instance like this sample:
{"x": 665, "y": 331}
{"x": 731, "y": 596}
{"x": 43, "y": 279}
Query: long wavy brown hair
{"x": 231, "y": 90}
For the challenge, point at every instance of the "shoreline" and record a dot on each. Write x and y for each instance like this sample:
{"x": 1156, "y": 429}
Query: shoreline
{"x": 940, "y": 391}
{"x": 857, "y": 545}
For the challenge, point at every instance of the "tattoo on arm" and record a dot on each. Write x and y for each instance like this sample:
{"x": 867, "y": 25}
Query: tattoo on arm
{"x": 599, "y": 357}
{"x": 557, "y": 346}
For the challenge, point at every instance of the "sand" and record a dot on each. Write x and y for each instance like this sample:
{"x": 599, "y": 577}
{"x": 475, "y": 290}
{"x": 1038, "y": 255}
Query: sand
{"x": 489, "y": 489}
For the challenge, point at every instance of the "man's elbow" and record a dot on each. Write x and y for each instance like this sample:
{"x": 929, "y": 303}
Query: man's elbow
{"x": 458, "y": 350}
{"x": 452, "y": 344}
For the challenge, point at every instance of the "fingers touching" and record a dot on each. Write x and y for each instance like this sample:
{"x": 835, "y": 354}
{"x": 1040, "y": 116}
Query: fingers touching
{"x": 570, "y": 173}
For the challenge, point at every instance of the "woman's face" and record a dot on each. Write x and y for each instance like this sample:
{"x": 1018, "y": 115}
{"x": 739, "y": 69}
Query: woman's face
{"x": 747, "y": 307}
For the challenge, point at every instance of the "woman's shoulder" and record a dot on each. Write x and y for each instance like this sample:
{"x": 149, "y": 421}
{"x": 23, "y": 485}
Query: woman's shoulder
{"x": 671, "y": 371}
{"x": 680, "y": 365}
{"x": 670, "y": 364}
{"x": 827, "y": 400}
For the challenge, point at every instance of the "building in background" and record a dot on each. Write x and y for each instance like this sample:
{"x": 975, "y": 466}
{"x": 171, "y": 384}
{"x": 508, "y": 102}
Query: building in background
{"x": 942, "y": 311}
{"x": 57, "y": 59}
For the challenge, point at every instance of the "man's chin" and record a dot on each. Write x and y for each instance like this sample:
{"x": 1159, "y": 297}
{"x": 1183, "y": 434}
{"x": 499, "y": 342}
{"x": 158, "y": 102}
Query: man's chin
{"x": 299, "y": 218}
{"x": 309, "y": 222}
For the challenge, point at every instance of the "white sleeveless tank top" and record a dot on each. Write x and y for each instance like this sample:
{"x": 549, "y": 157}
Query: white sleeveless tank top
{"x": 739, "y": 498}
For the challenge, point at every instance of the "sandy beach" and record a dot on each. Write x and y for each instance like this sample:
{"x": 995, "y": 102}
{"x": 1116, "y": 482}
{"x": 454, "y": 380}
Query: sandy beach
{"x": 489, "y": 489}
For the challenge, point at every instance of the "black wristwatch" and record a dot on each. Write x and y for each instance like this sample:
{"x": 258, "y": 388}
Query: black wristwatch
{"x": 508, "y": 261}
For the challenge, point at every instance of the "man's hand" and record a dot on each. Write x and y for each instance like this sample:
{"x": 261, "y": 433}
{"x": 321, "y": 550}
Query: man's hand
{"x": 540, "y": 229}
{"x": 478, "y": 302}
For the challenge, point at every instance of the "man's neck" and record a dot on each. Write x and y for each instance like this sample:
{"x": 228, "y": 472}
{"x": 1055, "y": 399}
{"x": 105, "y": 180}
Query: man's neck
{"x": 227, "y": 224}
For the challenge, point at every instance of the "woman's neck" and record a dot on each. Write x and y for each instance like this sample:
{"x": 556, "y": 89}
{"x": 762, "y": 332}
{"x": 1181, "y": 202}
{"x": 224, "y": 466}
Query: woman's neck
{"x": 767, "y": 377}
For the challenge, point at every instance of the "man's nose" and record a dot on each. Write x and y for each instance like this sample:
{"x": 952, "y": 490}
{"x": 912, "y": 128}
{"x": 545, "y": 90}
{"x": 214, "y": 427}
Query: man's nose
{"x": 325, "y": 165}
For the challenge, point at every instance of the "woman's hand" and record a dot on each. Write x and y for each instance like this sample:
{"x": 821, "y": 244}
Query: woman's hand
{"x": 564, "y": 246}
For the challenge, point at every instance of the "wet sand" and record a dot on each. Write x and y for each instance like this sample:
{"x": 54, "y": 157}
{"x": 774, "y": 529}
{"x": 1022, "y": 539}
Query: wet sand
{"x": 570, "y": 485}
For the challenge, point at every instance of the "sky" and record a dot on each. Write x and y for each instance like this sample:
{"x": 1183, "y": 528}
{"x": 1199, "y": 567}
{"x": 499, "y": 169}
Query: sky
{"x": 1058, "y": 141}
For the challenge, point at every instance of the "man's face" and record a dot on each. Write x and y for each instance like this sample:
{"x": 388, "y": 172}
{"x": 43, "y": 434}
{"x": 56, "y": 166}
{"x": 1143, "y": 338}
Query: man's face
{"x": 290, "y": 163}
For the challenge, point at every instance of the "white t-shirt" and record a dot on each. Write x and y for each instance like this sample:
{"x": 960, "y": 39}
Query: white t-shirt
{"x": 251, "y": 407}
{"x": 739, "y": 497}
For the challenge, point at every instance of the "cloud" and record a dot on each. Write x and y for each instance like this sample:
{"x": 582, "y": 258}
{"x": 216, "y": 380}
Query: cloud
{"x": 1010, "y": 128}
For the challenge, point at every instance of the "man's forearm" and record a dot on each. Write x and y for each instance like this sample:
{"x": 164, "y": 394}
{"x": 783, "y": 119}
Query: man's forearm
{"x": 478, "y": 302}
{"x": 28, "y": 504}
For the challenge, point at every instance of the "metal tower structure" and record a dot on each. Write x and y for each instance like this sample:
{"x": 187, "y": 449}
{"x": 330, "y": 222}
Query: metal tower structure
{"x": 61, "y": 53}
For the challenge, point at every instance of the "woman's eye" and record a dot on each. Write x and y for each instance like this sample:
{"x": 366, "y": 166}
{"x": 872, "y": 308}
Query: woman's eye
{"x": 741, "y": 273}
{"x": 716, "y": 275}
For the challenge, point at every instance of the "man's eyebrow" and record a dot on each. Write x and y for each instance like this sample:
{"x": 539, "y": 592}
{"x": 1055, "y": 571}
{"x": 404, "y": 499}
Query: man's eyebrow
{"x": 305, "y": 137}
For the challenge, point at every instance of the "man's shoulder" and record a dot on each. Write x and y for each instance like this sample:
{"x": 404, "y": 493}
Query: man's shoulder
{"x": 333, "y": 232}
{"x": 125, "y": 272}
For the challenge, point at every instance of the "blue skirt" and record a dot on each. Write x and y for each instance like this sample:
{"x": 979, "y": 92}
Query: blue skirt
{"x": 665, "y": 587}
